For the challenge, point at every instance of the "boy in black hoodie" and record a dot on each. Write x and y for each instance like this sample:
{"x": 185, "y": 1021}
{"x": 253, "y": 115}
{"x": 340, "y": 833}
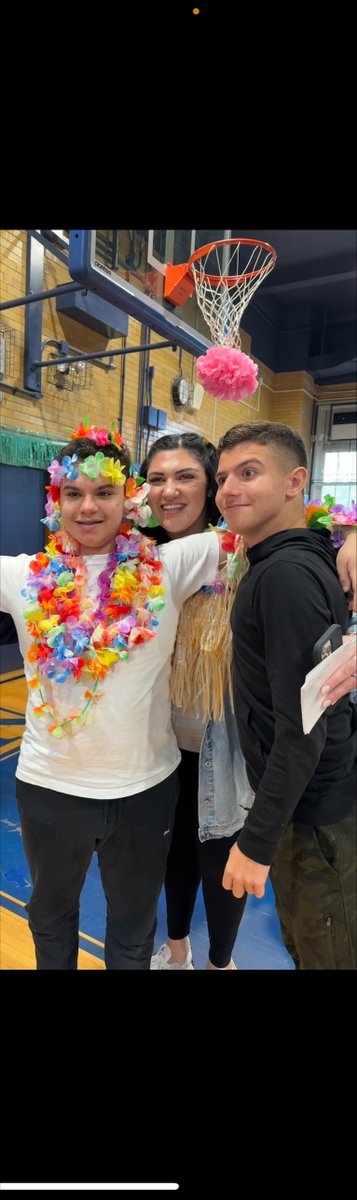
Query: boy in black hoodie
{"x": 302, "y": 825}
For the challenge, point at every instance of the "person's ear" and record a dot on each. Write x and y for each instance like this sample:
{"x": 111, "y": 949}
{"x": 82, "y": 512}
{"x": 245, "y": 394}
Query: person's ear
{"x": 296, "y": 481}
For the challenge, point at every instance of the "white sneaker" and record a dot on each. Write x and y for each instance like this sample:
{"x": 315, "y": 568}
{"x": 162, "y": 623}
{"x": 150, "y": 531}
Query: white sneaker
{"x": 159, "y": 961}
{"x": 233, "y": 967}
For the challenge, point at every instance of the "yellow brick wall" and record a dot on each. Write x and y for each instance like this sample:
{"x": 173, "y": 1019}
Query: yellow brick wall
{"x": 293, "y": 402}
{"x": 287, "y": 398}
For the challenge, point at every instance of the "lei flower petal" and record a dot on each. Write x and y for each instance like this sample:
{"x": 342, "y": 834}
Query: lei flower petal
{"x": 92, "y": 465}
{"x": 102, "y": 437}
{"x": 329, "y": 514}
{"x": 113, "y": 470}
{"x": 69, "y": 467}
{"x": 56, "y": 471}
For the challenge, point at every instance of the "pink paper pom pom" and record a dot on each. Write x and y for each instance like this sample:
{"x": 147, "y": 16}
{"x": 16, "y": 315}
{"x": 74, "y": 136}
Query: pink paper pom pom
{"x": 227, "y": 374}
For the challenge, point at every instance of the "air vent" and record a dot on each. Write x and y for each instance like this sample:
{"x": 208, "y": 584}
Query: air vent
{"x": 343, "y": 424}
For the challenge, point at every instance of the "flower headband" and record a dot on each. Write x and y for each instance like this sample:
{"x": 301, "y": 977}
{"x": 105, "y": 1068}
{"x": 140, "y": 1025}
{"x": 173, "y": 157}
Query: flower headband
{"x": 102, "y": 437}
{"x": 94, "y": 465}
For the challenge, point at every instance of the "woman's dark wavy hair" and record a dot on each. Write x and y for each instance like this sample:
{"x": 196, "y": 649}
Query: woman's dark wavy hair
{"x": 83, "y": 447}
{"x": 206, "y": 454}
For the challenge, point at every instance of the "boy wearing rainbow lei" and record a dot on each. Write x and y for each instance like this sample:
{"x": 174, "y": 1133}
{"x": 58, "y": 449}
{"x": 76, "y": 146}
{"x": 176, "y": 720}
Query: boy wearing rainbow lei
{"x": 96, "y": 614}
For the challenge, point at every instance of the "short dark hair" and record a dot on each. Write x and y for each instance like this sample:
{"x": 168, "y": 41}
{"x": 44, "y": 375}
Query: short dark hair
{"x": 282, "y": 438}
{"x": 83, "y": 447}
{"x": 207, "y": 456}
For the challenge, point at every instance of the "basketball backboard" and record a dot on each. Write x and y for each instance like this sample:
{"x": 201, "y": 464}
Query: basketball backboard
{"x": 127, "y": 267}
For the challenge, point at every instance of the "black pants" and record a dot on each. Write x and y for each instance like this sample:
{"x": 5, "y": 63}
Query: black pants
{"x": 188, "y": 862}
{"x": 131, "y": 836}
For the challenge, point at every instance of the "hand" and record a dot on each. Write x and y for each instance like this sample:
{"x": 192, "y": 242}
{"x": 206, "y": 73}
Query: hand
{"x": 344, "y": 680}
{"x": 243, "y": 875}
{"x": 346, "y": 563}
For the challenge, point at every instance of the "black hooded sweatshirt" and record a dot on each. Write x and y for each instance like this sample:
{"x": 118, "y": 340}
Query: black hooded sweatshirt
{"x": 286, "y": 601}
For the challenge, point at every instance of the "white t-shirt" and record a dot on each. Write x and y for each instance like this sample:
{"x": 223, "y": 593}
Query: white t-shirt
{"x": 188, "y": 729}
{"x": 129, "y": 745}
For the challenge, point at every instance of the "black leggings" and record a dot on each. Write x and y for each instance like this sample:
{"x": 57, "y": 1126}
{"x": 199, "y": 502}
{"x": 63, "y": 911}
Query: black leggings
{"x": 190, "y": 861}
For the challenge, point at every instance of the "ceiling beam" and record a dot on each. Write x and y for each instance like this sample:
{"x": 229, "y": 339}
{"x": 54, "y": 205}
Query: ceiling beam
{"x": 312, "y": 274}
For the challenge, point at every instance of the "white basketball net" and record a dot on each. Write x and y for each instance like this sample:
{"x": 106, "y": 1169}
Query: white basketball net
{"x": 222, "y": 303}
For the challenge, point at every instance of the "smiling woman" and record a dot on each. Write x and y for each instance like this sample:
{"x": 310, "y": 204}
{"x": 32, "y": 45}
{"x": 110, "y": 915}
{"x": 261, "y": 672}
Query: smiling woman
{"x": 180, "y": 469}
{"x": 178, "y": 491}
{"x": 213, "y": 786}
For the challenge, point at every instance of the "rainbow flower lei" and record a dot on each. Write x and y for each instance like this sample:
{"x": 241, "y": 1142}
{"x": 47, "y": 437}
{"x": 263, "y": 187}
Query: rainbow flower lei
{"x": 73, "y": 636}
{"x": 326, "y": 514}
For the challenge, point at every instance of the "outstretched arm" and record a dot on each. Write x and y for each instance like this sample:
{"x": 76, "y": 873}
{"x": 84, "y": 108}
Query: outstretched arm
{"x": 346, "y": 563}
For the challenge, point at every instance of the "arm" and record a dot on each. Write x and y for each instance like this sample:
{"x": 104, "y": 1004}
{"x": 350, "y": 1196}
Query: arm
{"x": 346, "y": 563}
{"x": 7, "y": 589}
{"x": 344, "y": 680}
{"x": 12, "y": 578}
{"x": 192, "y": 563}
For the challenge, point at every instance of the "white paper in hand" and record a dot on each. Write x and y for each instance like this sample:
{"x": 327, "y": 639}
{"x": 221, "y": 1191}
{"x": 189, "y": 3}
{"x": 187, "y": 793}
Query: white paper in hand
{"x": 311, "y": 699}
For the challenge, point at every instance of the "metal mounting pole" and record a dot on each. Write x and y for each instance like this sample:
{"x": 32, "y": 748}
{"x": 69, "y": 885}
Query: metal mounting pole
{"x": 53, "y": 362}
{"x": 58, "y": 291}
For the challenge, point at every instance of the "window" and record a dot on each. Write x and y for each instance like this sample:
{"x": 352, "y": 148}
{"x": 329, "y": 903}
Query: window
{"x": 339, "y": 477}
{"x": 334, "y": 465}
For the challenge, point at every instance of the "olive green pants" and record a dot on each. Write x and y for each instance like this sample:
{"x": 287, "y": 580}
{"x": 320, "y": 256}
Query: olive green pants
{"x": 314, "y": 879}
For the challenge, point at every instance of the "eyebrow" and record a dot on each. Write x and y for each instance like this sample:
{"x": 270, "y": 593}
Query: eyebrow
{"x": 72, "y": 486}
{"x": 180, "y": 471}
{"x": 245, "y": 463}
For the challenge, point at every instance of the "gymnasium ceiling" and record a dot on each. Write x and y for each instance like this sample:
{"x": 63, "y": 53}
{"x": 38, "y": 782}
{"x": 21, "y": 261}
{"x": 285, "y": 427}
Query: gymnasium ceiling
{"x": 304, "y": 314}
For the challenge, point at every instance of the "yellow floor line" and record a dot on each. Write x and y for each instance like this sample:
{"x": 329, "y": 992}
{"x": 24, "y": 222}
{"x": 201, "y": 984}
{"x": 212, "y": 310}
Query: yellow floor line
{"x": 22, "y": 904}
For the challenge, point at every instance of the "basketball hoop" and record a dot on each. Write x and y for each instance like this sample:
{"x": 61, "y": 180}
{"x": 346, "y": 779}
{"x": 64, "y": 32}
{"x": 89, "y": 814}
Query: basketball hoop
{"x": 223, "y": 295}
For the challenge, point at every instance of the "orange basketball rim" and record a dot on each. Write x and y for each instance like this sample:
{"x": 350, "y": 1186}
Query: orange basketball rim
{"x": 181, "y": 280}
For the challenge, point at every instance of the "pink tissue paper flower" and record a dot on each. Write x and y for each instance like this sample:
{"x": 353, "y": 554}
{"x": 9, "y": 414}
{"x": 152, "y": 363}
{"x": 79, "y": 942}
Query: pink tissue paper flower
{"x": 227, "y": 374}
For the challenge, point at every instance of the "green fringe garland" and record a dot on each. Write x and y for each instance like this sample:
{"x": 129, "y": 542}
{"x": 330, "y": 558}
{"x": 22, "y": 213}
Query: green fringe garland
{"x": 24, "y": 449}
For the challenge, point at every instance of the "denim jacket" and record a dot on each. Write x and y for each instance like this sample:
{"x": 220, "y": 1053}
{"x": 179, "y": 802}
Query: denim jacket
{"x": 224, "y": 794}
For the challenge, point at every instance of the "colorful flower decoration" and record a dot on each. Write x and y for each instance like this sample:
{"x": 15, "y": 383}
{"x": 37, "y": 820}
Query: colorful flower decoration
{"x": 73, "y": 637}
{"x": 136, "y": 491}
{"x": 326, "y": 514}
{"x": 227, "y": 374}
{"x": 233, "y": 544}
{"x": 102, "y": 437}
{"x": 93, "y": 466}
{"x": 98, "y": 464}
